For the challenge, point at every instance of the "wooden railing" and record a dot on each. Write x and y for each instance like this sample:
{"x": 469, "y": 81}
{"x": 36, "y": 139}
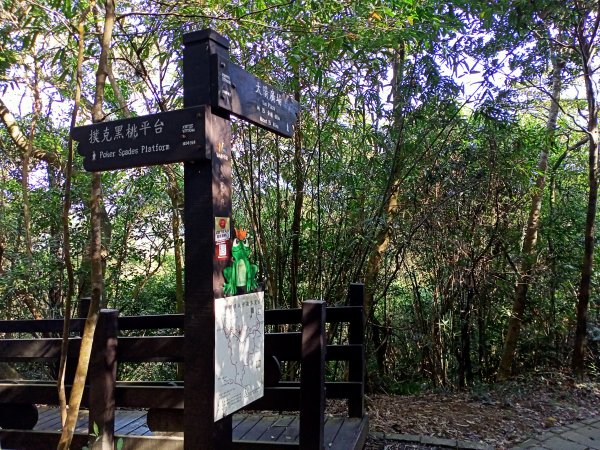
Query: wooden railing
{"x": 165, "y": 400}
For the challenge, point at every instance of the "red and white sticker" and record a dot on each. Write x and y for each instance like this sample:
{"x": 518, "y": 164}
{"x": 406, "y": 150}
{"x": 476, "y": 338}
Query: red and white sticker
{"x": 222, "y": 229}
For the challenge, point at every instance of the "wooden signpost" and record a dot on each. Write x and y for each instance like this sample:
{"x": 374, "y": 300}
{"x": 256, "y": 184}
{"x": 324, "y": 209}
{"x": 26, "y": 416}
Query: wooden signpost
{"x": 200, "y": 136}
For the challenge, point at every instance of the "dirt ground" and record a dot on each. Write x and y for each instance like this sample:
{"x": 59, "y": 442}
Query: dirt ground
{"x": 499, "y": 415}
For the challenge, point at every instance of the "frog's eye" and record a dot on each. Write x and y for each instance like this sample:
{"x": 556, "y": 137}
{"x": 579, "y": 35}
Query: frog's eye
{"x": 235, "y": 241}
{"x": 245, "y": 242}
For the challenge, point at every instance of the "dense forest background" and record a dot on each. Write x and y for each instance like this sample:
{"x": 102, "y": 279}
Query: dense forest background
{"x": 446, "y": 156}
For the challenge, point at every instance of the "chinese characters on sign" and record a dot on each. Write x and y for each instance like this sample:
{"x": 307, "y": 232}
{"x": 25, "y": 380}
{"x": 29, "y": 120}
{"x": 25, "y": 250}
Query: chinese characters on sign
{"x": 163, "y": 138}
{"x": 268, "y": 104}
{"x": 253, "y": 100}
{"x": 113, "y": 132}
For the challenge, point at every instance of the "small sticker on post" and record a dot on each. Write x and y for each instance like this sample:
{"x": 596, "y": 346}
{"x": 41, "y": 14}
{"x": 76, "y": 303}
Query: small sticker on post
{"x": 221, "y": 251}
{"x": 222, "y": 229}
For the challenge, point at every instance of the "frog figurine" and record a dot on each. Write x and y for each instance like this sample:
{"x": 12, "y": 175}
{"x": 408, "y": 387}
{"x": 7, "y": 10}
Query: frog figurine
{"x": 242, "y": 274}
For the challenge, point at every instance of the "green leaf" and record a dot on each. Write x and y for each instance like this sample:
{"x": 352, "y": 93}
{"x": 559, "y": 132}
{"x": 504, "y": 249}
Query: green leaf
{"x": 68, "y": 9}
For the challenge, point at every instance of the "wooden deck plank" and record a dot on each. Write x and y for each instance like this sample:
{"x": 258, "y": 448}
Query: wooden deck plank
{"x": 284, "y": 421}
{"x": 141, "y": 430}
{"x": 82, "y": 422}
{"x": 352, "y": 435}
{"x": 276, "y": 429}
{"x": 124, "y": 418}
{"x": 131, "y": 426}
{"x": 127, "y": 420}
{"x": 249, "y": 431}
{"x": 45, "y": 416}
{"x": 50, "y": 421}
{"x": 237, "y": 419}
{"x": 332, "y": 427}
{"x": 292, "y": 431}
{"x": 240, "y": 431}
{"x": 45, "y": 413}
{"x": 262, "y": 445}
{"x": 36, "y": 440}
{"x": 340, "y": 433}
{"x": 257, "y": 431}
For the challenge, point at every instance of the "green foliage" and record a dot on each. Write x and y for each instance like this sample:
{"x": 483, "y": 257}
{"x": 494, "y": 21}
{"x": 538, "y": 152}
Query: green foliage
{"x": 156, "y": 297}
{"x": 95, "y": 434}
{"x": 384, "y": 115}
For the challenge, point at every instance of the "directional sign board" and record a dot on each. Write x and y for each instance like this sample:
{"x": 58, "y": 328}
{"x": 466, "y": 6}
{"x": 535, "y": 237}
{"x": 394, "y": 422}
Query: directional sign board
{"x": 163, "y": 138}
{"x": 251, "y": 99}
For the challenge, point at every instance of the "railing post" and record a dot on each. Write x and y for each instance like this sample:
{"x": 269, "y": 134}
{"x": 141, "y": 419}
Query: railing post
{"x": 356, "y": 336}
{"x": 102, "y": 376}
{"x": 312, "y": 376}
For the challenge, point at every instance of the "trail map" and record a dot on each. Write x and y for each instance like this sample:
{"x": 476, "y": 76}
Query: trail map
{"x": 239, "y": 352}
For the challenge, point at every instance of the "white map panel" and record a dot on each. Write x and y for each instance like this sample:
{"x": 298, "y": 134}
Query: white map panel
{"x": 239, "y": 352}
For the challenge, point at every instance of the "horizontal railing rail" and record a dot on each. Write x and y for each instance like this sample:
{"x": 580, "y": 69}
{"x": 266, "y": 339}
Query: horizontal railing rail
{"x": 307, "y": 346}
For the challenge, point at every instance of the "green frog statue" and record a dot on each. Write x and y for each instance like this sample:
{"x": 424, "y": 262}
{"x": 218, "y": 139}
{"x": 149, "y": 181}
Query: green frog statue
{"x": 242, "y": 274}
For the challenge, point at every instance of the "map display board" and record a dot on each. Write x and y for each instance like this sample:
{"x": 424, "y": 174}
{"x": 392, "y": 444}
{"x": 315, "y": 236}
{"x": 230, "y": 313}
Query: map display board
{"x": 239, "y": 352}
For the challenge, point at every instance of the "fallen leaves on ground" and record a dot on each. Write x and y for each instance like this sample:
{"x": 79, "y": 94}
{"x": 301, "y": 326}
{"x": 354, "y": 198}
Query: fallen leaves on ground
{"x": 499, "y": 415}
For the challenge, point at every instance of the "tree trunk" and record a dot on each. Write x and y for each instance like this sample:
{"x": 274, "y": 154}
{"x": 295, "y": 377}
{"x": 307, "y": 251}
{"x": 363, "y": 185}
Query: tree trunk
{"x": 389, "y": 205}
{"x": 174, "y": 193}
{"x": 26, "y": 209}
{"x": 21, "y": 141}
{"x": 531, "y": 231}
{"x": 279, "y": 259}
{"x": 176, "y": 201}
{"x": 583, "y": 295}
{"x": 95, "y": 247}
{"x": 465, "y": 366}
{"x": 297, "y": 217}
{"x": 259, "y": 240}
{"x": 55, "y": 289}
{"x": 252, "y": 200}
{"x": 66, "y": 229}
{"x": 2, "y": 247}
{"x": 25, "y": 161}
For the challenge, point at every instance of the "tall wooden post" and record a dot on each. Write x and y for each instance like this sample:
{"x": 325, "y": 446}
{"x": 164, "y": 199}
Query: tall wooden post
{"x": 312, "y": 375}
{"x": 207, "y": 185}
{"x": 103, "y": 373}
{"x": 356, "y": 372}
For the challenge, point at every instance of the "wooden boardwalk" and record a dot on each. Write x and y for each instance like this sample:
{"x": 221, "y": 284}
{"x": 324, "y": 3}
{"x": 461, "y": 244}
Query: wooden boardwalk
{"x": 128, "y": 422}
{"x": 300, "y": 399}
{"x": 341, "y": 433}
{"x": 250, "y": 431}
